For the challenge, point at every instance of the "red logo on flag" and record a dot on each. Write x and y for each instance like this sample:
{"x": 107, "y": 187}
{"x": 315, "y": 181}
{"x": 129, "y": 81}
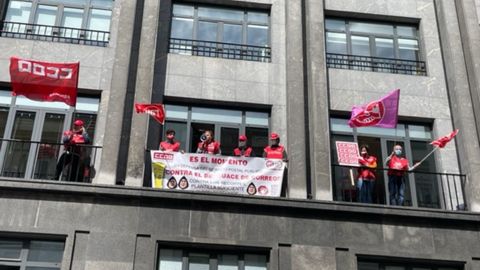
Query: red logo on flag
{"x": 44, "y": 81}
{"x": 371, "y": 116}
{"x": 441, "y": 142}
{"x": 380, "y": 113}
{"x": 157, "y": 111}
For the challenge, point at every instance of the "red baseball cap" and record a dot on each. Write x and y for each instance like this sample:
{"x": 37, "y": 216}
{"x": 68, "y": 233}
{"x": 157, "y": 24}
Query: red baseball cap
{"x": 242, "y": 138}
{"x": 78, "y": 122}
{"x": 274, "y": 136}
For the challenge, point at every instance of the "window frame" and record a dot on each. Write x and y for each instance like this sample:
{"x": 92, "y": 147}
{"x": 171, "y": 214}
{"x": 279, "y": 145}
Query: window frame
{"x": 22, "y": 262}
{"x": 372, "y": 45}
{"x": 408, "y": 263}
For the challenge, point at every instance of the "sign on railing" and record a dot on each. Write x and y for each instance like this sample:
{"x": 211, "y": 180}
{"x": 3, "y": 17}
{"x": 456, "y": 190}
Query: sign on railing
{"x": 233, "y": 175}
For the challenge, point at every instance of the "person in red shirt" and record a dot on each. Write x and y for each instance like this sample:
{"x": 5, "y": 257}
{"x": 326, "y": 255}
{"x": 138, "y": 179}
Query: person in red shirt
{"x": 275, "y": 150}
{"x": 208, "y": 145}
{"x": 397, "y": 166}
{"x": 366, "y": 175}
{"x": 243, "y": 150}
{"x": 170, "y": 145}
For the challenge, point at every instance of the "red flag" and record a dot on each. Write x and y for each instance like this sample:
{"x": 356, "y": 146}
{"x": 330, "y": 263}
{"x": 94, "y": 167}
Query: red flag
{"x": 157, "y": 111}
{"x": 44, "y": 81}
{"x": 380, "y": 113}
{"x": 441, "y": 142}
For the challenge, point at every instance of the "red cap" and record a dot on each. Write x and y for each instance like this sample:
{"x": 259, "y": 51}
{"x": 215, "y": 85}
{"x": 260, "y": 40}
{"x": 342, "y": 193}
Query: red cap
{"x": 242, "y": 138}
{"x": 78, "y": 122}
{"x": 274, "y": 136}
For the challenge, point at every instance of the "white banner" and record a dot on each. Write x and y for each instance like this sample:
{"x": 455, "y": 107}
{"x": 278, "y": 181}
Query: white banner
{"x": 200, "y": 172}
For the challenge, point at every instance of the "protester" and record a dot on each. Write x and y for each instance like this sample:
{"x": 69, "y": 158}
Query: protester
{"x": 243, "y": 150}
{"x": 208, "y": 145}
{"x": 275, "y": 150}
{"x": 170, "y": 145}
{"x": 74, "y": 154}
{"x": 366, "y": 175}
{"x": 397, "y": 166}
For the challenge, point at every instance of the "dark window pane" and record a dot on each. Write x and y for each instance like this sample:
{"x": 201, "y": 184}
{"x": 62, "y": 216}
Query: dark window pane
{"x": 180, "y": 132}
{"x": 42, "y": 268}
{"x": 228, "y": 140}
{"x": 257, "y": 139}
{"x": 227, "y": 262}
{"x": 426, "y": 184}
{"x": 257, "y": 35}
{"x": 408, "y": 49}
{"x": 384, "y": 48}
{"x": 45, "y": 251}
{"x": 360, "y": 46}
{"x": 258, "y": 17}
{"x": 6, "y": 267}
{"x": 232, "y": 33}
{"x": 337, "y": 25}
{"x": 197, "y": 261}
{"x": 3, "y": 120}
{"x": 255, "y": 262}
{"x": 407, "y": 31}
{"x": 220, "y": 14}
{"x": 182, "y": 28}
{"x": 207, "y": 31}
{"x": 10, "y": 249}
{"x": 371, "y": 28}
{"x": 182, "y": 10}
{"x": 368, "y": 266}
{"x": 337, "y": 43}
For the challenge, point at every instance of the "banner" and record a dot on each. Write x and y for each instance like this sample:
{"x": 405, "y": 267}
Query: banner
{"x": 347, "y": 153}
{"x": 231, "y": 175}
{"x": 44, "y": 81}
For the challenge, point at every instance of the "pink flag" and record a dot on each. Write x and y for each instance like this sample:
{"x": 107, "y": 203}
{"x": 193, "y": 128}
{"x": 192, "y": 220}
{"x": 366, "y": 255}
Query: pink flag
{"x": 379, "y": 113}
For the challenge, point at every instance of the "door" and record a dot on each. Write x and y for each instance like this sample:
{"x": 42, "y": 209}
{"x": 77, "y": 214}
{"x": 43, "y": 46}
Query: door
{"x": 35, "y": 143}
{"x": 228, "y": 139}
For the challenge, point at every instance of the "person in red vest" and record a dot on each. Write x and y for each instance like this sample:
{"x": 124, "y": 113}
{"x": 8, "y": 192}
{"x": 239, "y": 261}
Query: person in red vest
{"x": 243, "y": 150}
{"x": 208, "y": 145}
{"x": 275, "y": 150}
{"x": 74, "y": 154}
{"x": 366, "y": 175}
{"x": 397, "y": 166}
{"x": 170, "y": 145}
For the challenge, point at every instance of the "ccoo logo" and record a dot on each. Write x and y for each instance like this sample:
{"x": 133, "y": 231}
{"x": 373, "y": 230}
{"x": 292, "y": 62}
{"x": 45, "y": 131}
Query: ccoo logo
{"x": 45, "y": 71}
{"x": 372, "y": 114}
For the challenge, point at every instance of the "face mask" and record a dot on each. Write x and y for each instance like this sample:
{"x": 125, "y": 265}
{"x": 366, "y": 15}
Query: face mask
{"x": 398, "y": 152}
{"x": 364, "y": 153}
{"x": 274, "y": 142}
{"x": 170, "y": 137}
{"x": 241, "y": 144}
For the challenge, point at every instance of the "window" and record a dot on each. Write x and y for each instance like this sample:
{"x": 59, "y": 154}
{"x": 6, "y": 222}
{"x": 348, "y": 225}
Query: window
{"x": 195, "y": 259}
{"x": 424, "y": 187}
{"x": 373, "y": 46}
{"x": 227, "y": 125}
{"x": 220, "y": 32}
{"x": 397, "y": 264}
{"x": 30, "y": 254}
{"x": 60, "y": 20}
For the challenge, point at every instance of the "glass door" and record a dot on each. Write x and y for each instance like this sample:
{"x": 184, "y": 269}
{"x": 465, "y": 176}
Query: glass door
{"x": 228, "y": 139}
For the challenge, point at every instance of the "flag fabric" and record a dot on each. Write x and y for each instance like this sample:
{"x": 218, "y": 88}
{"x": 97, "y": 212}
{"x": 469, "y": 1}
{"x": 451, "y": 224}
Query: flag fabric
{"x": 441, "y": 142}
{"x": 379, "y": 113}
{"x": 44, "y": 81}
{"x": 157, "y": 111}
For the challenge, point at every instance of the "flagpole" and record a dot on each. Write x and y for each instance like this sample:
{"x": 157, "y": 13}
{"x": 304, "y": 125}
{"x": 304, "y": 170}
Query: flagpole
{"x": 421, "y": 161}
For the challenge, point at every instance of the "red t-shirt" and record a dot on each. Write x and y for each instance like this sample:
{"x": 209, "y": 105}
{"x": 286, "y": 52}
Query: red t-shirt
{"x": 367, "y": 173}
{"x": 397, "y": 166}
{"x": 274, "y": 152}
{"x": 170, "y": 147}
{"x": 212, "y": 148}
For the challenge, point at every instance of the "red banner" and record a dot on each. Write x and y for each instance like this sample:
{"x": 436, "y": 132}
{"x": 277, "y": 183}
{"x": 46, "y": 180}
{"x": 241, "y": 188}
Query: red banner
{"x": 44, "y": 81}
{"x": 157, "y": 111}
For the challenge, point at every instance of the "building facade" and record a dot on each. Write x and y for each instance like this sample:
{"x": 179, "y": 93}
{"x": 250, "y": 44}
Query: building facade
{"x": 248, "y": 67}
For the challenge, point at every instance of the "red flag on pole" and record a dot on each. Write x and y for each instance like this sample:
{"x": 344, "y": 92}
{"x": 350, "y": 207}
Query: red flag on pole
{"x": 157, "y": 111}
{"x": 441, "y": 142}
{"x": 379, "y": 113}
{"x": 44, "y": 81}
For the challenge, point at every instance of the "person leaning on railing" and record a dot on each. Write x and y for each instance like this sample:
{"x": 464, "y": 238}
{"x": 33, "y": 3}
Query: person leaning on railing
{"x": 366, "y": 175}
{"x": 72, "y": 139}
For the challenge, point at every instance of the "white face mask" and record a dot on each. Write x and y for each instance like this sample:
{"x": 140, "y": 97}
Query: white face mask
{"x": 398, "y": 152}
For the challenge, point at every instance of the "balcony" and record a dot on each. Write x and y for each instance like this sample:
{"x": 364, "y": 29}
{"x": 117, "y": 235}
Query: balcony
{"x": 39, "y": 160}
{"x": 220, "y": 50}
{"x": 422, "y": 189}
{"x": 376, "y": 64}
{"x": 54, "y": 33}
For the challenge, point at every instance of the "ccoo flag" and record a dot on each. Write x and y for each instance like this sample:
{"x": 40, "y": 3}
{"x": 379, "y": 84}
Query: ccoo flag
{"x": 157, "y": 111}
{"x": 379, "y": 113}
{"x": 44, "y": 81}
{"x": 441, "y": 142}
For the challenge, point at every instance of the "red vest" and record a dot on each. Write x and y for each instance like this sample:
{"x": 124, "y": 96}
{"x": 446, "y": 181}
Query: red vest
{"x": 212, "y": 148}
{"x": 367, "y": 173}
{"x": 169, "y": 147}
{"x": 246, "y": 153}
{"x": 274, "y": 152}
{"x": 397, "y": 166}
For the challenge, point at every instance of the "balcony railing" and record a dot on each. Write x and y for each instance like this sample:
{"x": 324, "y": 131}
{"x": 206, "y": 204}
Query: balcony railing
{"x": 220, "y": 50}
{"x": 54, "y": 33}
{"x": 377, "y": 64}
{"x": 50, "y": 161}
{"x": 432, "y": 189}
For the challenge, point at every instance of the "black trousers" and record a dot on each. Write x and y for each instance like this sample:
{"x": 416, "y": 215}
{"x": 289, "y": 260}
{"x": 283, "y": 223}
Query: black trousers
{"x": 75, "y": 171}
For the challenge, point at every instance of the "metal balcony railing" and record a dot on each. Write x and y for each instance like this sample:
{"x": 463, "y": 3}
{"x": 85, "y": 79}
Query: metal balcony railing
{"x": 49, "y": 161}
{"x": 433, "y": 190}
{"x": 220, "y": 50}
{"x": 377, "y": 64}
{"x": 54, "y": 33}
